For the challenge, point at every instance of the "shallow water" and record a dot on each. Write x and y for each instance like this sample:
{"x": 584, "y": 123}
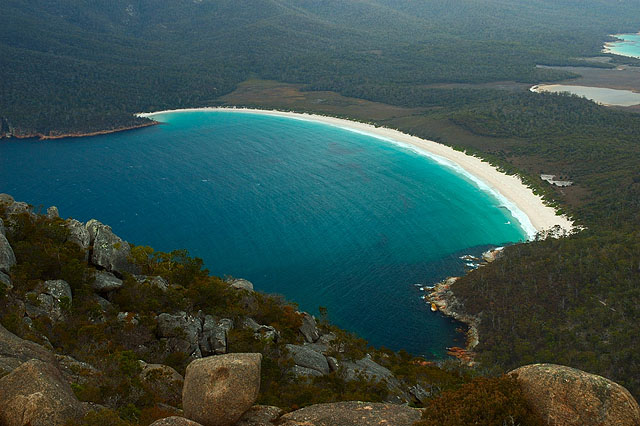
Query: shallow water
{"x": 597, "y": 94}
{"x": 322, "y": 215}
{"x": 629, "y": 45}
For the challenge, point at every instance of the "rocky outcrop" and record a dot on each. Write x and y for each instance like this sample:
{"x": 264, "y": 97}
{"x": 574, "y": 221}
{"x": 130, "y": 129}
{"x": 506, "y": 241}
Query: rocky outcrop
{"x": 309, "y": 328}
{"x": 78, "y": 233}
{"x": 306, "y": 357}
{"x": 52, "y": 213}
{"x": 175, "y": 421}
{"x": 352, "y": 413}
{"x": 443, "y": 298}
{"x": 181, "y": 332}
{"x": 53, "y": 299}
{"x": 15, "y": 351}
{"x": 261, "y": 332}
{"x": 164, "y": 382}
{"x": 109, "y": 251}
{"x": 7, "y": 257}
{"x": 105, "y": 282}
{"x": 36, "y": 394}
{"x": 218, "y": 390}
{"x": 565, "y": 396}
{"x": 260, "y": 415}
{"x": 241, "y": 284}
{"x": 154, "y": 281}
{"x": 214, "y": 335}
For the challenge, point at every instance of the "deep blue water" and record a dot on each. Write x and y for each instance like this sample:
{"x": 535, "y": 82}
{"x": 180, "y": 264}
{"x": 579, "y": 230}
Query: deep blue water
{"x": 322, "y": 215}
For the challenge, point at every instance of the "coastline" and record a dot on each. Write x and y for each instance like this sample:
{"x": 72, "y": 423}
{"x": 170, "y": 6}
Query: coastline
{"x": 44, "y": 137}
{"x": 529, "y": 209}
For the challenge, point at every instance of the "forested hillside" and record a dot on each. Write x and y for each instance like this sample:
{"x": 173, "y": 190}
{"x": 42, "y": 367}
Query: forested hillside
{"x": 71, "y": 66}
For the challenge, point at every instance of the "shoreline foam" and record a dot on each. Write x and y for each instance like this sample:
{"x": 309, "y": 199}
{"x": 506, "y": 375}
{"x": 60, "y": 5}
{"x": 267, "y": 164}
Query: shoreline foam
{"x": 529, "y": 209}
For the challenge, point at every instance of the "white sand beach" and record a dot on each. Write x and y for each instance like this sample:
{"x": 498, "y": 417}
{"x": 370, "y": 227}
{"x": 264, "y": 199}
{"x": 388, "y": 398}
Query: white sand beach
{"x": 528, "y": 208}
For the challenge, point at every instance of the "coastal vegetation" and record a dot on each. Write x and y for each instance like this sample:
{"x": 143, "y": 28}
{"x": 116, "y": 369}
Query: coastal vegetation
{"x": 424, "y": 70}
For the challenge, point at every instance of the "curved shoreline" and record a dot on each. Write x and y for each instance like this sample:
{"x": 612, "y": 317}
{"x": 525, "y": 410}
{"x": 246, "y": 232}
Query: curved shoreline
{"x": 529, "y": 209}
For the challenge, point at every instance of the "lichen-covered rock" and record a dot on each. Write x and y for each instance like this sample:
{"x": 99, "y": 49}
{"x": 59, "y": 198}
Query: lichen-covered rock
{"x": 261, "y": 332}
{"x": 14, "y": 351}
{"x": 260, "y": 415}
{"x": 78, "y": 233}
{"x": 36, "y": 394}
{"x": 566, "y": 396}
{"x": 241, "y": 284}
{"x": 52, "y": 213}
{"x": 59, "y": 289}
{"x": 309, "y": 328}
{"x": 7, "y": 257}
{"x": 307, "y": 357}
{"x": 164, "y": 382}
{"x": 214, "y": 335}
{"x": 182, "y": 333}
{"x": 105, "y": 282}
{"x": 352, "y": 413}
{"x": 219, "y": 389}
{"x": 175, "y": 421}
{"x": 109, "y": 251}
{"x": 76, "y": 371}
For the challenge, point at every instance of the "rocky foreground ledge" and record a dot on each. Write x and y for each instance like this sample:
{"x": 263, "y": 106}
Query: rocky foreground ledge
{"x": 39, "y": 386}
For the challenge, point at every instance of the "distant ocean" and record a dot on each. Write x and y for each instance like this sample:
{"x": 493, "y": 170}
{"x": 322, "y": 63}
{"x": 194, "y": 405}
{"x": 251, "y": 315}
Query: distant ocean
{"x": 629, "y": 45}
{"x": 319, "y": 214}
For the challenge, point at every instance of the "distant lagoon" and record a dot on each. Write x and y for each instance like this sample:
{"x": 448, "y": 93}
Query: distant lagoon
{"x": 600, "y": 95}
{"x": 324, "y": 216}
{"x": 627, "y": 45}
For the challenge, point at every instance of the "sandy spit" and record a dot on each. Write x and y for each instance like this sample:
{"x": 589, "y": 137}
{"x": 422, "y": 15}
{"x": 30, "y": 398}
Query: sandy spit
{"x": 528, "y": 208}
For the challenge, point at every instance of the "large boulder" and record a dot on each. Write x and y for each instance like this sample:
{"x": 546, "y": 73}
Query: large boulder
{"x": 304, "y": 356}
{"x": 218, "y": 390}
{"x": 109, "y": 251}
{"x": 105, "y": 282}
{"x": 36, "y": 394}
{"x": 181, "y": 333}
{"x": 309, "y": 328}
{"x": 370, "y": 369}
{"x": 7, "y": 257}
{"x": 566, "y": 396}
{"x": 164, "y": 382}
{"x": 352, "y": 413}
{"x": 15, "y": 351}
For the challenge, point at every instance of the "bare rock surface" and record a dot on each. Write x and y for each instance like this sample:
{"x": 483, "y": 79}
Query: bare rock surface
{"x": 52, "y": 213}
{"x": 260, "y": 415}
{"x": 181, "y": 331}
{"x": 109, "y": 251}
{"x": 7, "y": 257}
{"x": 105, "y": 282}
{"x": 175, "y": 421}
{"x": 218, "y": 390}
{"x": 566, "y": 396}
{"x": 36, "y": 394}
{"x": 309, "y": 328}
{"x": 78, "y": 233}
{"x": 14, "y": 351}
{"x": 305, "y": 356}
{"x": 241, "y": 284}
{"x": 352, "y": 413}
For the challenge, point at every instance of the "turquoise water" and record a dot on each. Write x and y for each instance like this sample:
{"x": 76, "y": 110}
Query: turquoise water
{"x": 629, "y": 45}
{"x": 322, "y": 215}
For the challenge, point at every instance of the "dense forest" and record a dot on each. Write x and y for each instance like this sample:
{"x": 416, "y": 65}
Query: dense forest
{"x": 70, "y": 66}
{"x": 78, "y": 66}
